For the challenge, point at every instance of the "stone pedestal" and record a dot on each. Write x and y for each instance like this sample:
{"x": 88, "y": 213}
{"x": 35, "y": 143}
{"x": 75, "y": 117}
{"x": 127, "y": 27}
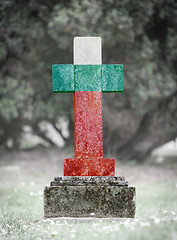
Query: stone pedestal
{"x": 89, "y": 197}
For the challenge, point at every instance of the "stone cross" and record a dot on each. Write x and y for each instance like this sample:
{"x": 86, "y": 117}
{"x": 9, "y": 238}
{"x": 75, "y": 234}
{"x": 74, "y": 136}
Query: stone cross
{"x": 87, "y": 79}
{"x": 88, "y": 187}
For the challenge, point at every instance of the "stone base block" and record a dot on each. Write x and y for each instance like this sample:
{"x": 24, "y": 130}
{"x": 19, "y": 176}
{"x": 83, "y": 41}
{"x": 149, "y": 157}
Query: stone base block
{"x": 89, "y": 197}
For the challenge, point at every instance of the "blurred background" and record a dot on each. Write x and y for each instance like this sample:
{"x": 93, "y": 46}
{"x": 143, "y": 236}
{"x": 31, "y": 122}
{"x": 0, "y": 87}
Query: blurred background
{"x": 37, "y": 126}
{"x": 139, "y": 34}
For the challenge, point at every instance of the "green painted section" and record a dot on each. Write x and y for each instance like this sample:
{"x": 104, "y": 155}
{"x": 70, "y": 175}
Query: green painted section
{"x": 63, "y": 77}
{"x": 87, "y": 77}
{"x": 112, "y": 77}
{"x": 71, "y": 78}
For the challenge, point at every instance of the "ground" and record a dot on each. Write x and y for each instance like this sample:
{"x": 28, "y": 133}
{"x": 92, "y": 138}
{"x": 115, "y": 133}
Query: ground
{"x": 23, "y": 176}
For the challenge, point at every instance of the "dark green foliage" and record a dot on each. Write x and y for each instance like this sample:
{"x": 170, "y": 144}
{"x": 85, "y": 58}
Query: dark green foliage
{"x": 141, "y": 35}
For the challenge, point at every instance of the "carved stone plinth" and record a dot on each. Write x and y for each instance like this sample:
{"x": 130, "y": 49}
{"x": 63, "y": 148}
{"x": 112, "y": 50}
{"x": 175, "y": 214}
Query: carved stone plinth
{"x": 89, "y": 197}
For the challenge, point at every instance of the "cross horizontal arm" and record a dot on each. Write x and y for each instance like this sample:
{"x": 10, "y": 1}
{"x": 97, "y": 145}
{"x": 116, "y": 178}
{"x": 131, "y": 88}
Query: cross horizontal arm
{"x": 63, "y": 78}
{"x": 71, "y": 78}
{"x": 112, "y": 78}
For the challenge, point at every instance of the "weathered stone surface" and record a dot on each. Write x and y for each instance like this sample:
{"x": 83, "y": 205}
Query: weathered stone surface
{"x": 84, "y": 181}
{"x": 89, "y": 197}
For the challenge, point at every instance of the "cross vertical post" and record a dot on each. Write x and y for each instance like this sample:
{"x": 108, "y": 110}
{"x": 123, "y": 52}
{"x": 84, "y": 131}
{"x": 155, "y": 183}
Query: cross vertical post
{"x": 88, "y": 113}
{"x": 88, "y": 104}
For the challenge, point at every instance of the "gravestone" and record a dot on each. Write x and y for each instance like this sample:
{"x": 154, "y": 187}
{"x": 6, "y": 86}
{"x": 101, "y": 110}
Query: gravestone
{"x": 89, "y": 187}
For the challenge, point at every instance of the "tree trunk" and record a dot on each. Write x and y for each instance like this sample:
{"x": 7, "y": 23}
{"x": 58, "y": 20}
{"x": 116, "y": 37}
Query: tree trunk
{"x": 156, "y": 127}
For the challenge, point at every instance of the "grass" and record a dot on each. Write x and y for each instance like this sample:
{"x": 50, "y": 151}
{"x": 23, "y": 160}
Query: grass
{"x": 21, "y": 202}
{"x": 21, "y": 216}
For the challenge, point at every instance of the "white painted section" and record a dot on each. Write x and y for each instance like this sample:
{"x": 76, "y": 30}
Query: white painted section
{"x": 87, "y": 50}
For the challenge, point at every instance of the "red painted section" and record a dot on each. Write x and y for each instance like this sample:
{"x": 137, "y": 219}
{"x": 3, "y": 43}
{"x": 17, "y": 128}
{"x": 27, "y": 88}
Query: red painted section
{"x": 89, "y": 167}
{"x": 88, "y": 124}
{"x": 88, "y": 138}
